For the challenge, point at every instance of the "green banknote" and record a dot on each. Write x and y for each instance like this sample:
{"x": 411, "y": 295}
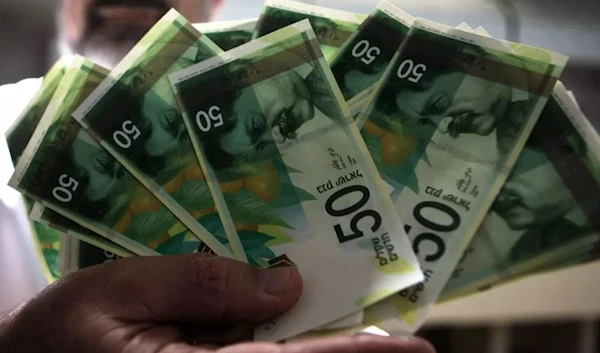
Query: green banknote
{"x": 133, "y": 115}
{"x": 558, "y": 263}
{"x": 52, "y": 219}
{"x": 46, "y": 239}
{"x": 332, "y": 27}
{"x": 482, "y": 248}
{"x": 65, "y": 170}
{"x": 361, "y": 62}
{"x": 444, "y": 128}
{"x": 547, "y": 211}
{"x": 292, "y": 177}
{"x": 360, "y": 101}
{"x": 228, "y": 34}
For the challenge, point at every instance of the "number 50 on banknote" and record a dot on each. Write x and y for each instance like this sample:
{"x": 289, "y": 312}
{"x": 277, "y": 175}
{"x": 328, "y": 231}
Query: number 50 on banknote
{"x": 291, "y": 175}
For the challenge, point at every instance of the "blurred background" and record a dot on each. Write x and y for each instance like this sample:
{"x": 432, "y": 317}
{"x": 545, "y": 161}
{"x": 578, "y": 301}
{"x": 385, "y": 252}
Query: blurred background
{"x": 27, "y": 31}
{"x": 556, "y": 312}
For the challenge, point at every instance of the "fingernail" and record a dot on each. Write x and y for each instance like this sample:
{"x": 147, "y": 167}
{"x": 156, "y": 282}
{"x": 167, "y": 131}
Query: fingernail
{"x": 274, "y": 281}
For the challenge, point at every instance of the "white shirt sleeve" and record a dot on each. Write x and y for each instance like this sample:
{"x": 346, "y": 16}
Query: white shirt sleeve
{"x": 20, "y": 274}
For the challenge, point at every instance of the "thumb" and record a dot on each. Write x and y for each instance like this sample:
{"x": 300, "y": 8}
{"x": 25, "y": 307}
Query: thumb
{"x": 193, "y": 288}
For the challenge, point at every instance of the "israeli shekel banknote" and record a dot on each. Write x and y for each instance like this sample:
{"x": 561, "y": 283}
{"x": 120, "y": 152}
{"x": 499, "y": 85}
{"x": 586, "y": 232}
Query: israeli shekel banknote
{"x": 65, "y": 170}
{"x": 549, "y": 208}
{"x": 332, "y": 27}
{"x": 46, "y": 230}
{"x": 52, "y": 219}
{"x": 359, "y": 101}
{"x": 273, "y": 103}
{"x": 228, "y": 34}
{"x": 481, "y": 249}
{"x": 356, "y": 320}
{"x": 133, "y": 115}
{"x": 45, "y": 239}
{"x": 362, "y": 60}
{"x": 444, "y": 128}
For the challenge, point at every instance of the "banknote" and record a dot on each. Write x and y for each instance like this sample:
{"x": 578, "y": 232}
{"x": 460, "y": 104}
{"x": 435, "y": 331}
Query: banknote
{"x": 356, "y": 106}
{"x": 65, "y": 170}
{"x": 445, "y": 127}
{"x": 481, "y": 246}
{"x": 562, "y": 262}
{"x": 547, "y": 211}
{"x": 551, "y": 266}
{"x": 52, "y": 219}
{"x": 358, "y": 102}
{"x": 228, "y": 34}
{"x": 361, "y": 61}
{"x": 47, "y": 226}
{"x": 133, "y": 115}
{"x": 570, "y": 260}
{"x": 46, "y": 239}
{"x": 292, "y": 177}
{"x": 332, "y": 27}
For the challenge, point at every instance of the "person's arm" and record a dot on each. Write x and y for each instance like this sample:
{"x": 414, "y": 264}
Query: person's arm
{"x": 164, "y": 304}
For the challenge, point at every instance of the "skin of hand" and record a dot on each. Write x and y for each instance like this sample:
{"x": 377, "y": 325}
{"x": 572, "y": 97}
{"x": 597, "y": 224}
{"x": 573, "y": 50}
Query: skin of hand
{"x": 164, "y": 304}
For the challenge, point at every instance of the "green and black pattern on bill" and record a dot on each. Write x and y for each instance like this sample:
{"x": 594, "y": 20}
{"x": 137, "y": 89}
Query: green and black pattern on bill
{"x": 17, "y": 139}
{"x": 162, "y": 152}
{"x": 443, "y": 85}
{"x": 253, "y": 81}
{"x": 20, "y": 134}
{"x": 228, "y": 40}
{"x": 269, "y": 101}
{"x": 363, "y": 59}
{"x": 98, "y": 189}
{"x": 329, "y": 32}
{"x": 546, "y": 214}
{"x": 107, "y": 116}
{"x": 56, "y": 156}
{"x": 554, "y": 183}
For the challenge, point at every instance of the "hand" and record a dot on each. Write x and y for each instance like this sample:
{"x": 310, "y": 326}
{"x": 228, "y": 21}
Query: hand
{"x": 161, "y": 304}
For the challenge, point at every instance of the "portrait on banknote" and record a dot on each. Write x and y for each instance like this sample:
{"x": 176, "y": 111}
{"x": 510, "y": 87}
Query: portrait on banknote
{"x": 451, "y": 101}
{"x": 163, "y": 147}
{"x": 267, "y": 112}
{"x": 537, "y": 201}
{"x": 549, "y": 199}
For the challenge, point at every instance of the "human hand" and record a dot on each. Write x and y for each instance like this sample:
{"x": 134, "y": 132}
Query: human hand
{"x": 162, "y": 304}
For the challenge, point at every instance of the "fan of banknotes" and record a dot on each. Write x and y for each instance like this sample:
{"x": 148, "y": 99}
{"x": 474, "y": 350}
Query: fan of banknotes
{"x": 397, "y": 162}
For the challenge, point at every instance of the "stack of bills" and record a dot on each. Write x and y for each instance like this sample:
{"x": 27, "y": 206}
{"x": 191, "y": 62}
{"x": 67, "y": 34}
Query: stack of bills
{"x": 395, "y": 161}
